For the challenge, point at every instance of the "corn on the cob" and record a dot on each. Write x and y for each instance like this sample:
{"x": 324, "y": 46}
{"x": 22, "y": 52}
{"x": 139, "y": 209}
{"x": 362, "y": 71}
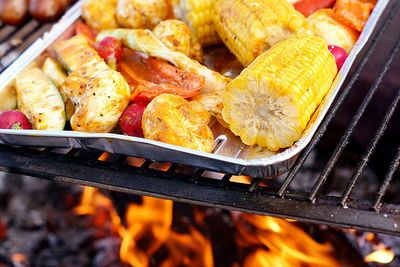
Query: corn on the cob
{"x": 249, "y": 27}
{"x": 198, "y": 15}
{"x": 271, "y": 102}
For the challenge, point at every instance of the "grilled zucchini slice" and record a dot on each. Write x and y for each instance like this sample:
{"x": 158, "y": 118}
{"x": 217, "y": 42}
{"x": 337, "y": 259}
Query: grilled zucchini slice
{"x": 75, "y": 52}
{"x": 40, "y": 100}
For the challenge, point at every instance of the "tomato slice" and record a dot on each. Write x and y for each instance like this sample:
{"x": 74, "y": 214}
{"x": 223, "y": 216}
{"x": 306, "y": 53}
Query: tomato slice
{"x": 150, "y": 77}
{"x": 307, "y": 7}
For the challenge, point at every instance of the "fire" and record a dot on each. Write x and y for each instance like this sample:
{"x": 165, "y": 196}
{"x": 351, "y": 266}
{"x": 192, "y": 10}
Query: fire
{"x": 280, "y": 243}
{"x": 149, "y": 223}
{"x": 147, "y": 228}
{"x": 380, "y": 256}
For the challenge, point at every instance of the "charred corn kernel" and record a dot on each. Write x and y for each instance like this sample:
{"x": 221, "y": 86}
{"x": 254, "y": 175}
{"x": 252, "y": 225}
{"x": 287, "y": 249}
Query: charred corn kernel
{"x": 324, "y": 24}
{"x": 198, "y": 16}
{"x": 271, "y": 102}
{"x": 249, "y": 27}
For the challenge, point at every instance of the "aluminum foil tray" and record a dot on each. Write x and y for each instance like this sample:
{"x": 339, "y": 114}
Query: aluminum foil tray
{"x": 229, "y": 155}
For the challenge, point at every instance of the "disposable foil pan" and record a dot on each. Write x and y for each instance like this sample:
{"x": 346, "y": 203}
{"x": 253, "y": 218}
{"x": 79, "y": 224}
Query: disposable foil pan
{"x": 229, "y": 155}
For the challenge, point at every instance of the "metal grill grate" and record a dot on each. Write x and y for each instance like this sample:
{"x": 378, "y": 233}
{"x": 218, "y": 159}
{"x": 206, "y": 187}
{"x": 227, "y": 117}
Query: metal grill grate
{"x": 311, "y": 192}
{"x": 14, "y": 40}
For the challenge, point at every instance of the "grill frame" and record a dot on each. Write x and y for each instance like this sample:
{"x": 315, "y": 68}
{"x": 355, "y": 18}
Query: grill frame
{"x": 77, "y": 167}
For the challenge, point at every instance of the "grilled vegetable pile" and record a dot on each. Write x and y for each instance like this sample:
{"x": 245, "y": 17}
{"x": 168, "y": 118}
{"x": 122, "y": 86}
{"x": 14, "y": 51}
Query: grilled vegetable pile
{"x": 135, "y": 67}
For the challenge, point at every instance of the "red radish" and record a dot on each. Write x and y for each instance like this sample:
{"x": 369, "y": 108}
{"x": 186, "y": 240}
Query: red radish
{"x": 131, "y": 120}
{"x": 339, "y": 54}
{"x": 110, "y": 49}
{"x": 14, "y": 120}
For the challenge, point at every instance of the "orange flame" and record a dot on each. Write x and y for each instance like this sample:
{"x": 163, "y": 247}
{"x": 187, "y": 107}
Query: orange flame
{"x": 184, "y": 248}
{"x": 149, "y": 222}
{"x": 380, "y": 256}
{"x": 147, "y": 227}
{"x": 283, "y": 244}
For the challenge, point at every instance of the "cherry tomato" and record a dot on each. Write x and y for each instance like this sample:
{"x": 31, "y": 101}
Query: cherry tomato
{"x": 339, "y": 54}
{"x": 131, "y": 120}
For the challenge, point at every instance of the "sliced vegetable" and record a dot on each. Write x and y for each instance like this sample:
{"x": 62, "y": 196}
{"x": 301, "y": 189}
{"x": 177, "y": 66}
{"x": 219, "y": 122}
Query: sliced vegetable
{"x": 325, "y": 24}
{"x": 150, "y": 77}
{"x": 55, "y": 72}
{"x": 8, "y": 98}
{"x": 110, "y": 49}
{"x": 172, "y": 119}
{"x": 75, "y": 52}
{"x": 307, "y": 7}
{"x": 354, "y": 13}
{"x": 40, "y": 100}
{"x": 339, "y": 54}
{"x": 14, "y": 120}
{"x": 131, "y": 120}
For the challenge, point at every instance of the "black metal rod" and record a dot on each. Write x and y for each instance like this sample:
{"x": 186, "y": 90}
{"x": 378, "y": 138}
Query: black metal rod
{"x": 322, "y": 129}
{"x": 132, "y": 181}
{"x": 254, "y": 184}
{"x": 350, "y": 129}
{"x": 371, "y": 148}
{"x": 394, "y": 166}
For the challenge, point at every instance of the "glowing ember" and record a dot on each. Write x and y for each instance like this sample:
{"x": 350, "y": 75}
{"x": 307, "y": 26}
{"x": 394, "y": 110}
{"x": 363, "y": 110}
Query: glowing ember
{"x": 147, "y": 228}
{"x": 380, "y": 256}
{"x": 18, "y": 259}
{"x": 241, "y": 179}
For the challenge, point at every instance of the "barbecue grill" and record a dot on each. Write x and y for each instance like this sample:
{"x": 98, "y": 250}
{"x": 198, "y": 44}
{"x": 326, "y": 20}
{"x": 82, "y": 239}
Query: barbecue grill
{"x": 295, "y": 195}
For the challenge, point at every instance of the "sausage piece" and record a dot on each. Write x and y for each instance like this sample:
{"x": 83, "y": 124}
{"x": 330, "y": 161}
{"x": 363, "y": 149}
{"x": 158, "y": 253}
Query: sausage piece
{"x": 13, "y": 11}
{"x": 47, "y": 10}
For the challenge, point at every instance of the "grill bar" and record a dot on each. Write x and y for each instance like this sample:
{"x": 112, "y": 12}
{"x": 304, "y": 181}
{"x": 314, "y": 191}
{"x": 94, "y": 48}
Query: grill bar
{"x": 394, "y": 166}
{"x": 324, "y": 125}
{"x": 280, "y": 197}
{"x": 370, "y": 150}
{"x": 178, "y": 187}
{"x": 345, "y": 138}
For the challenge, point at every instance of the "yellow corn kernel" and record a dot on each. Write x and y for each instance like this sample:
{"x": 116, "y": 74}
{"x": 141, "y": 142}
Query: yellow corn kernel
{"x": 198, "y": 16}
{"x": 249, "y": 27}
{"x": 271, "y": 102}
